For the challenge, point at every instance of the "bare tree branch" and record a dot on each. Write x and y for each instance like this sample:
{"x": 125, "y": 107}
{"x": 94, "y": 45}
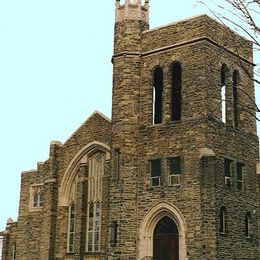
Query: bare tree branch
{"x": 243, "y": 17}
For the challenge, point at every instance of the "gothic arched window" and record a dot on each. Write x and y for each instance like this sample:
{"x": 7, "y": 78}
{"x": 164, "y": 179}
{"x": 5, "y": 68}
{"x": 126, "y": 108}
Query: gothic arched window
{"x": 157, "y": 95}
{"x": 37, "y": 197}
{"x": 224, "y": 74}
{"x": 176, "y": 98}
{"x": 95, "y": 174}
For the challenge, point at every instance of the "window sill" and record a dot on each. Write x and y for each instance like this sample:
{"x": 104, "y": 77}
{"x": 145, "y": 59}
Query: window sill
{"x": 92, "y": 253}
{"x": 153, "y": 188}
{"x": 223, "y": 234}
{"x": 38, "y": 209}
{"x": 249, "y": 239}
{"x": 113, "y": 244}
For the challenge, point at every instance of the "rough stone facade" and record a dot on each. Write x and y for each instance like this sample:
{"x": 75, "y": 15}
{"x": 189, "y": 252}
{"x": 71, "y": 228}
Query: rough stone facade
{"x": 107, "y": 163}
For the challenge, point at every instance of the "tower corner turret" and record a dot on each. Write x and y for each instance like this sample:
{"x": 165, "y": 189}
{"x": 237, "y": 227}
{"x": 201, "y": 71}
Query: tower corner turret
{"x": 132, "y": 10}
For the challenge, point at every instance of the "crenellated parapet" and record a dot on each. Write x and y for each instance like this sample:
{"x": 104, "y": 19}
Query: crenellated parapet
{"x": 132, "y": 10}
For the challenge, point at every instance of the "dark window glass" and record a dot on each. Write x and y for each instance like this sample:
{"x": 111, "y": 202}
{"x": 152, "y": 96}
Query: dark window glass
{"x": 176, "y": 92}
{"x": 227, "y": 166}
{"x": 157, "y": 95}
{"x": 166, "y": 226}
{"x": 155, "y": 172}
{"x": 235, "y": 97}
{"x": 223, "y": 220}
{"x": 155, "y": 167}
{"x": 175, "y": 165}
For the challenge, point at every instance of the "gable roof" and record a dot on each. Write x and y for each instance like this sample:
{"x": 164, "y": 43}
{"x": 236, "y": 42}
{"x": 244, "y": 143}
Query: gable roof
{"x": 96, "y": 114}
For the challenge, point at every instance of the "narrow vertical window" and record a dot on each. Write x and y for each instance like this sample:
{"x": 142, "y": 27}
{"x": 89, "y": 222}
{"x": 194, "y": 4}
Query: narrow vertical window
{"x": 94, "y": 209}
{"x": 71, "y": 233}
{"x": 235, "y": 98}
{"x": 13, "y": 251}
{"x": 228, "y": 164}
{"x": 157, "y": 95}
{"x": 35, "y": 199}
{"x": 174, "y": 170}
{"x": 90, "y": 227}
{"x": 223, "y": 221}
{"x": 155, "y": 171}
{"x": 40, "y": 199}
{"x": 114, "y": 231}
{"x": 224, "y": 74}
{"x": 176, "y": 92}
{"x": 248, "y": 224}
{"x": 240, "y": 176}
{"x": 97, "y": 227}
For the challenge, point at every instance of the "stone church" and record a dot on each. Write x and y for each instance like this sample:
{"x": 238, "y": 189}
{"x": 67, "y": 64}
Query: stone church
{"x": 173, "y": 175}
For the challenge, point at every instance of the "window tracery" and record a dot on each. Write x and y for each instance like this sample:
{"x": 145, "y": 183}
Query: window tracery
{"x": 36, "y": 197}
{"x": 95, "y": 174}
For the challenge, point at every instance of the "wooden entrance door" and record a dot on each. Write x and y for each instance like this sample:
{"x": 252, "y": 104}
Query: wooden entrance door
{"x": 166, "y": 240}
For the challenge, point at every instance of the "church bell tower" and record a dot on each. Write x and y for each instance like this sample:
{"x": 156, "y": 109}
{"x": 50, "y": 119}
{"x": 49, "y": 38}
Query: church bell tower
{"x": 131, "y": 19}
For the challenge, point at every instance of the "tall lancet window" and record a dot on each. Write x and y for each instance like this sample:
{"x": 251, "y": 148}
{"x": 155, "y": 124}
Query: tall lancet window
{"x": 157, "y": 95}
{"x": 95, "y": 174}
{"x": 235, "y": 97}
{"x": 248, "y": 225}
{"x": 71, "y": 219}
{"x": 176, "y": 91}
{"x": 224, "y": 74}
{"x": 71, "y": 227}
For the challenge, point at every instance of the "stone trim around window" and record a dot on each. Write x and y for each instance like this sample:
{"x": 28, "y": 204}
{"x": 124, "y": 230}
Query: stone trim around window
{"x": 36, "y": 197}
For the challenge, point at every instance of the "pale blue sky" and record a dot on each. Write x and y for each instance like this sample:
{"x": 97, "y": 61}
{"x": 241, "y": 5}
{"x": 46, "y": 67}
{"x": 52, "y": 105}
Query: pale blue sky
{"x": 55, "y": 70}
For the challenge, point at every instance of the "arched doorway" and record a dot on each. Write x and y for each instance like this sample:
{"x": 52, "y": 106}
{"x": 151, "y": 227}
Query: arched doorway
{"x": 166, "y": 240}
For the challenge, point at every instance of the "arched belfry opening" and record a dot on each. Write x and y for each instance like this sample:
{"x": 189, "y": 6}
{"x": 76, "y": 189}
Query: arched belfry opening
{"x": 157, "y": 96}
{"x": 176, "y": 97}
{"x": 166, "y": 240}
{"x": 224, "y": 81}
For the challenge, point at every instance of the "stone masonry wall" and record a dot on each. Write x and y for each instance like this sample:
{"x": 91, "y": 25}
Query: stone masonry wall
{"x": 98, "y": 129}
{"x": 201, "y": 46}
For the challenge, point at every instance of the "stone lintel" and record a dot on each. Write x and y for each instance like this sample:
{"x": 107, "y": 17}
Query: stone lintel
{"x": 206, "y": 152}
